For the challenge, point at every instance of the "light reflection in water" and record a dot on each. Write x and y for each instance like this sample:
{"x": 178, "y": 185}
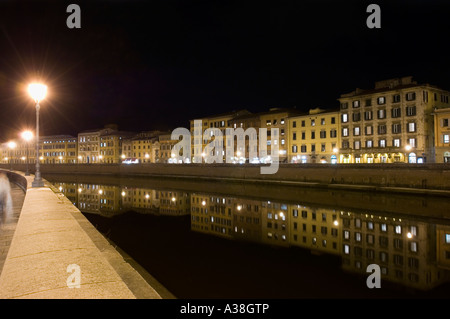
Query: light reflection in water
{"x": 410, "y": 250}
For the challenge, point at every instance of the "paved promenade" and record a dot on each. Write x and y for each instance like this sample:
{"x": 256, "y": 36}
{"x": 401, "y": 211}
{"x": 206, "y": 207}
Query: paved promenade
{"x": 56, "y": 253}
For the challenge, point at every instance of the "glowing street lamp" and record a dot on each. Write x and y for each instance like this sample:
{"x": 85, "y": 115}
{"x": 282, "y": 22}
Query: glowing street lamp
{"x": 407, "y": 149}
{"x": 38, "y": 92}
{"x": 27, "y": 136}
{"x": 12, "y": 145}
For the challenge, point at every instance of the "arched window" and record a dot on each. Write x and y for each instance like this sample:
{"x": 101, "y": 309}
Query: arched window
{"x": 333, "y": 159}
{"x": 412, "y": 158}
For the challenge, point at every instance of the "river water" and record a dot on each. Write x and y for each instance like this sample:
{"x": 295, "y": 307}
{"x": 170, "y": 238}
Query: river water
{"x": 231, "y": 240}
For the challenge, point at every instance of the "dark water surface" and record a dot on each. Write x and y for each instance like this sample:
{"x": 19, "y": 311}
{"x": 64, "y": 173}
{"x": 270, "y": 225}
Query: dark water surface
{"x": 218, "y": 240}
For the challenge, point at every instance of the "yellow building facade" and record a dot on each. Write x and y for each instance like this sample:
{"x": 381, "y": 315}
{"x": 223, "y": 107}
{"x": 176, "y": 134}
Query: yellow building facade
{"x": 110, "y": 146}
{"x": 442, "y": 134}
{"x": 401, "y": 247}
{"x": 212, "y": 214}
{"x": 197, "y": 129}
{"x": 144, "y": 149}
{"x": 390, "y": 123}
{"x": 59, "y": 149}
{"x": 54, "y": 149}
{"x": 313, "y": 137}
{"x": 277, "y": 118}
{"x": 89, "y": 145}
{"x": 314, "y": 228}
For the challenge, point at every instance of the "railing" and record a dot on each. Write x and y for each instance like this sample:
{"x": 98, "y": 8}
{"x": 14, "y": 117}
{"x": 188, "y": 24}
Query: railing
{"x": 16, "y": 178}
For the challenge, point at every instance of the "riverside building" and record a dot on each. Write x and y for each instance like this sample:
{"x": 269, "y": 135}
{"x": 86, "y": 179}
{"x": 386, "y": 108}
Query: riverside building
{"x": 390, "y": 123}
{"x": 442, "y": 134}
{"x": 314, "y": 137}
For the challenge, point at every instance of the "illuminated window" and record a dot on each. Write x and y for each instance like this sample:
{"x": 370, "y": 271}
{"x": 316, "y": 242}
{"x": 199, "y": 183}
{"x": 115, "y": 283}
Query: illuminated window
{"x": 411, "y": 110}
{"x": 346, "y": 249}
{"x": 346, "y": 234}
{"x": 413, "y": 230}
{"x": 344, "y": 131}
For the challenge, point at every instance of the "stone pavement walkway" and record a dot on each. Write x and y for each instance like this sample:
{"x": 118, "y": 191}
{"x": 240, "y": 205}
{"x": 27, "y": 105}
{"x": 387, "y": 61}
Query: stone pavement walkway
{"x": 56, "y": 253}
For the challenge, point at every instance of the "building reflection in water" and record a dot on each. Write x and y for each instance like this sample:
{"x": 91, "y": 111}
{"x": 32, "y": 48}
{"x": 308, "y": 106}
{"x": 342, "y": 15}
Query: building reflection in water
{"x": 409, "y": 250}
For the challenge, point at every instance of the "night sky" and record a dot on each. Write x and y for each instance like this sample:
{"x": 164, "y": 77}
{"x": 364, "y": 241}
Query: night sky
{"x": 158, "y": 64}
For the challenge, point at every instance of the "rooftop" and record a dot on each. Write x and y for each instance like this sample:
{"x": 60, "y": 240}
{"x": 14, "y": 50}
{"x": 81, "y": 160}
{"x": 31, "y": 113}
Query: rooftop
{"x": 388, "y": 85}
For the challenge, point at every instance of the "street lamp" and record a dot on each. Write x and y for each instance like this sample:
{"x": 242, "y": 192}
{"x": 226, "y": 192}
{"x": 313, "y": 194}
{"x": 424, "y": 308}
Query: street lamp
{"x": 407, "y": 149}
{"x": 335, "y": 151}
{"x": 27, "y": 136}
{"x": 37, "y": 91}
{"x": 12, "y": 145}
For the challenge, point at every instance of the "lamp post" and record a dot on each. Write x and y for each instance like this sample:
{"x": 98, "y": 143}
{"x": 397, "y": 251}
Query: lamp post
{"x": 37, "y": 92}
{"x": 27, "y": 136}
{"x": 407, "y": 149}
{"x": 12, "y": 145}
{"x": 335, "y": 152}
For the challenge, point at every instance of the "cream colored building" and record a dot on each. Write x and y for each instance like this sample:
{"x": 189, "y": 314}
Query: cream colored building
{"x": 392, "y": 122}
{"x": 59, "y": 149}
{"x": 275, "y": 223}
{"x": 402, "y": 247}
{"x": 443, "y": 246}
{"x": 212, "y": 214}
{"x": 442, "y": 134}
{"x": 53, "y": 149}
{"x": 165, "y": 145}
{"x": 317, "y": 229}
{"x": 198, "y": 127}
{"x": 277, "y": 118}
{"x": 110, "y": 147}
{"x": 313, "y": 137}
{"x": 89, "y": 144}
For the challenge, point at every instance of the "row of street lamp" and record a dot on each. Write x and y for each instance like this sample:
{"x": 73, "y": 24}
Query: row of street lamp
{"x": 27, "y": 136}
{"x": 38, "y": 92}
